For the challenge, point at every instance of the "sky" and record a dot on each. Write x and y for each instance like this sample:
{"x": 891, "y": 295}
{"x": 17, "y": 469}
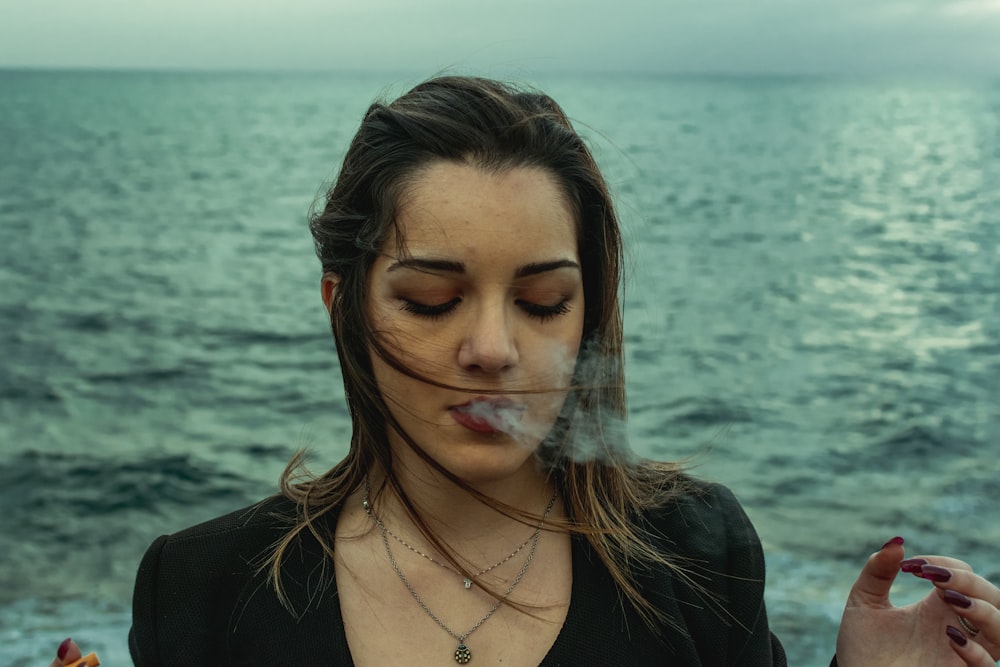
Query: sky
{"x": 671, "y": 36}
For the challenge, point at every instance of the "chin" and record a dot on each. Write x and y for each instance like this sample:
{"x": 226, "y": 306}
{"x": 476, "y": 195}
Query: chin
{"x": 484, "y": 463}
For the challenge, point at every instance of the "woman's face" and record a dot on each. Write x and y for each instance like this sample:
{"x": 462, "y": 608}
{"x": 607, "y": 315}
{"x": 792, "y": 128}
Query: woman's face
{"x": 485, "y": 293}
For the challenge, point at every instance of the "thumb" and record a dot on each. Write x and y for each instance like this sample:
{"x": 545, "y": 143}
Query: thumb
{"x": 873, "y": 584}
{"x": 67, "y": 652}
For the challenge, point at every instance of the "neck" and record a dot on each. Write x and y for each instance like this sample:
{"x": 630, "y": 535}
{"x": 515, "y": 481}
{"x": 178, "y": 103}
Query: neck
{"x": 455, "y": 515}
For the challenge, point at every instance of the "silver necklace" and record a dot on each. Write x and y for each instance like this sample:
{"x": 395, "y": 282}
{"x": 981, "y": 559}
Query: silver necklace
{"x": 467, "y": 581}
{"x": 462, "y": 652}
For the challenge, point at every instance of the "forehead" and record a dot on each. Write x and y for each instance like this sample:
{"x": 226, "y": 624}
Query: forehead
{"x": 457, "y": 208}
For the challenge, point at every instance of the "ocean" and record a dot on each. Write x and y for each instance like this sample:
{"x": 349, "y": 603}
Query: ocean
{"x": 812, "y": 316}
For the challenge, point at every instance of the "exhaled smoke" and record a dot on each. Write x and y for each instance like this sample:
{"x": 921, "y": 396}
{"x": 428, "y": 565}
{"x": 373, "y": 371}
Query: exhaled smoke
{"x": 505, "y": 415}
{"x": 589, "y": 427}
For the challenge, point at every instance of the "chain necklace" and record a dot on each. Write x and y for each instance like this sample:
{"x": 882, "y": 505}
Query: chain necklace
{"x": 468, "y": 581}
{"x": 462, "y": 653}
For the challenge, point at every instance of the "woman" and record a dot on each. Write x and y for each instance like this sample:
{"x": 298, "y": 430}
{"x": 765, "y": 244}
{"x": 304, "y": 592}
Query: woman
{"x": 489, "y": 508}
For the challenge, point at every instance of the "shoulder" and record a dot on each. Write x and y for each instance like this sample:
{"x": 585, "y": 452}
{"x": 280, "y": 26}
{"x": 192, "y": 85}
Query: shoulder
{"x": 226, "y": 547}
{"x": 191, "y": 584}
{"x": 717, "y": 575}
{"x": 228, "y": 543}
{"x": 261, "y": 521}
{"x": 702, "y": 518}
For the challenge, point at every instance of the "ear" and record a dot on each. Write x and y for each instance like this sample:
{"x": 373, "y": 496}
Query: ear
{"x": 328, "y": 287}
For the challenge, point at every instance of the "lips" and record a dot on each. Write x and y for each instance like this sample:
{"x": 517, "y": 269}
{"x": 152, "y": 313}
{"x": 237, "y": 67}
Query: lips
{"x": 495, "y": 414}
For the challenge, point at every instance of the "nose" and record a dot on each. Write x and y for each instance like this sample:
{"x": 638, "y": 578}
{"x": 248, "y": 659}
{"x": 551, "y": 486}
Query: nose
{"x": 489, "y": 344}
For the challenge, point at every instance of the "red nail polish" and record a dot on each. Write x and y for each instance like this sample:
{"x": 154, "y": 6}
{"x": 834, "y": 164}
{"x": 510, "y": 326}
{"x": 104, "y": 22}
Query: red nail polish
{"x": 935, "y": 573}
{"x": 912, "y": 565}
{"x": 895, "y": 540}
{"x": 63, "y": 648}
{"x": 957, "y": 599}
{"x": 956, "y": 635}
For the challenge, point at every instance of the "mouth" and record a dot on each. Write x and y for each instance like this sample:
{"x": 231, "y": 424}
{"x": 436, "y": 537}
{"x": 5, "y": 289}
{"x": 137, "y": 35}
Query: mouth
{"x": 493, "y": 414}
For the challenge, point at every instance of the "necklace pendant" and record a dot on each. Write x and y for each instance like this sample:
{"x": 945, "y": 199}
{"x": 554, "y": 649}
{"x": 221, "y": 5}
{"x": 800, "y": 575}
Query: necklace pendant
{"x": 462, "y": 653}
{"x": 468, "y": 583}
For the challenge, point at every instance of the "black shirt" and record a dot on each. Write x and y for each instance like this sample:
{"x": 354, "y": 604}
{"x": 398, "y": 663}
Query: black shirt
{"x": 200, "y": 600}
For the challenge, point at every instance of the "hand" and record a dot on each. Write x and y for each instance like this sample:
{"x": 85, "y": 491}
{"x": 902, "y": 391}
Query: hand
{"x": 67, "y": 653}
{"x": 928, "y": 632}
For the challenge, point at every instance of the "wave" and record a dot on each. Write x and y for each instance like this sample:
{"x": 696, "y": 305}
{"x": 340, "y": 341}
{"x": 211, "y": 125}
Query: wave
{"x": 51, "y": 491}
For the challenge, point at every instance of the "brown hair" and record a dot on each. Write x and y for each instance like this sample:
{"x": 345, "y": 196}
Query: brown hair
{"x": 493, "y": 126}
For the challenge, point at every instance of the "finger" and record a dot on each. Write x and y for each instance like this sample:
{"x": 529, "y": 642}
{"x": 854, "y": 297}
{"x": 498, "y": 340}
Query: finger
{"x": 979, "y": 614}
{"x": 972, "y": 653}
{"x": 945, "y": 561}
{"x": 873, "y": 584}
{"x": 67, "y": 652}
{"x": 971, "y": 584}
{"x": 963, "y": 580}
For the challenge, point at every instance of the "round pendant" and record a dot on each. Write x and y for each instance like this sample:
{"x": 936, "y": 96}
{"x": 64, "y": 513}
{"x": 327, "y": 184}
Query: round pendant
{"x": 462, "y": 654}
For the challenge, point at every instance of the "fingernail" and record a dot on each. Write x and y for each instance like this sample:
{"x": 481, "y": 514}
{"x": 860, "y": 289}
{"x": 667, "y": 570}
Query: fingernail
{"x": 935, "y": 573}
{"x": 956, "y": 635}
{"x": 957, "y": 599}
{"x": 912, "y": 565}
{"x": 63, "y": 648}
{"x": 895, "y": 540}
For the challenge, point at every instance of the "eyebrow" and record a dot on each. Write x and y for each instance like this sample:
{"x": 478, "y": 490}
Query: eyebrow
{"x": 542, "y": 267}
{"x": 448, "y": 266}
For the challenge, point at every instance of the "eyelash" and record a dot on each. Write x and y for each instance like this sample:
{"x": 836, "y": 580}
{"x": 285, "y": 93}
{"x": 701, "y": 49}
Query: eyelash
{"x": 430, "y": 312}
{"x": 437, "y": 311}
{"x": 544, "y": 313}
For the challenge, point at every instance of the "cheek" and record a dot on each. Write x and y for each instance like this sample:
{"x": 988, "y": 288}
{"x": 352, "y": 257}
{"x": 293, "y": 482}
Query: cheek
{"x": 422, "y": 352}
{"x": 555, "y": 359}
{"x": 396, "y": 340}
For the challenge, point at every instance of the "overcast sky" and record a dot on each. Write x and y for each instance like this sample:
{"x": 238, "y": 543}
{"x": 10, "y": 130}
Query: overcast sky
{"x": 807, "y": 36}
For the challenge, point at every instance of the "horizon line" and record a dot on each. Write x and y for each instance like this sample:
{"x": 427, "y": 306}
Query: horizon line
{"x": 584, "y": 71}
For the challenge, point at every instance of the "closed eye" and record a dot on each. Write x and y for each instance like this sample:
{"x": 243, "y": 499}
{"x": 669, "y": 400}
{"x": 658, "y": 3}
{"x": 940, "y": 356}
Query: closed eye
{"x": 538, "y": 311}
{"x": 542, "y": 312}
{"x": 430, "y": 311}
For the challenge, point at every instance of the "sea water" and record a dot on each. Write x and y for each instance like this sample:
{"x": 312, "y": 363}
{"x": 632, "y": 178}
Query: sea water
{"x": 812, "y": 316}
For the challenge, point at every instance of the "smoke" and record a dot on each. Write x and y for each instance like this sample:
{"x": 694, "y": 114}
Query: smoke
{"x": 505, "y": 417}
{"x": 573, "y": 417}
